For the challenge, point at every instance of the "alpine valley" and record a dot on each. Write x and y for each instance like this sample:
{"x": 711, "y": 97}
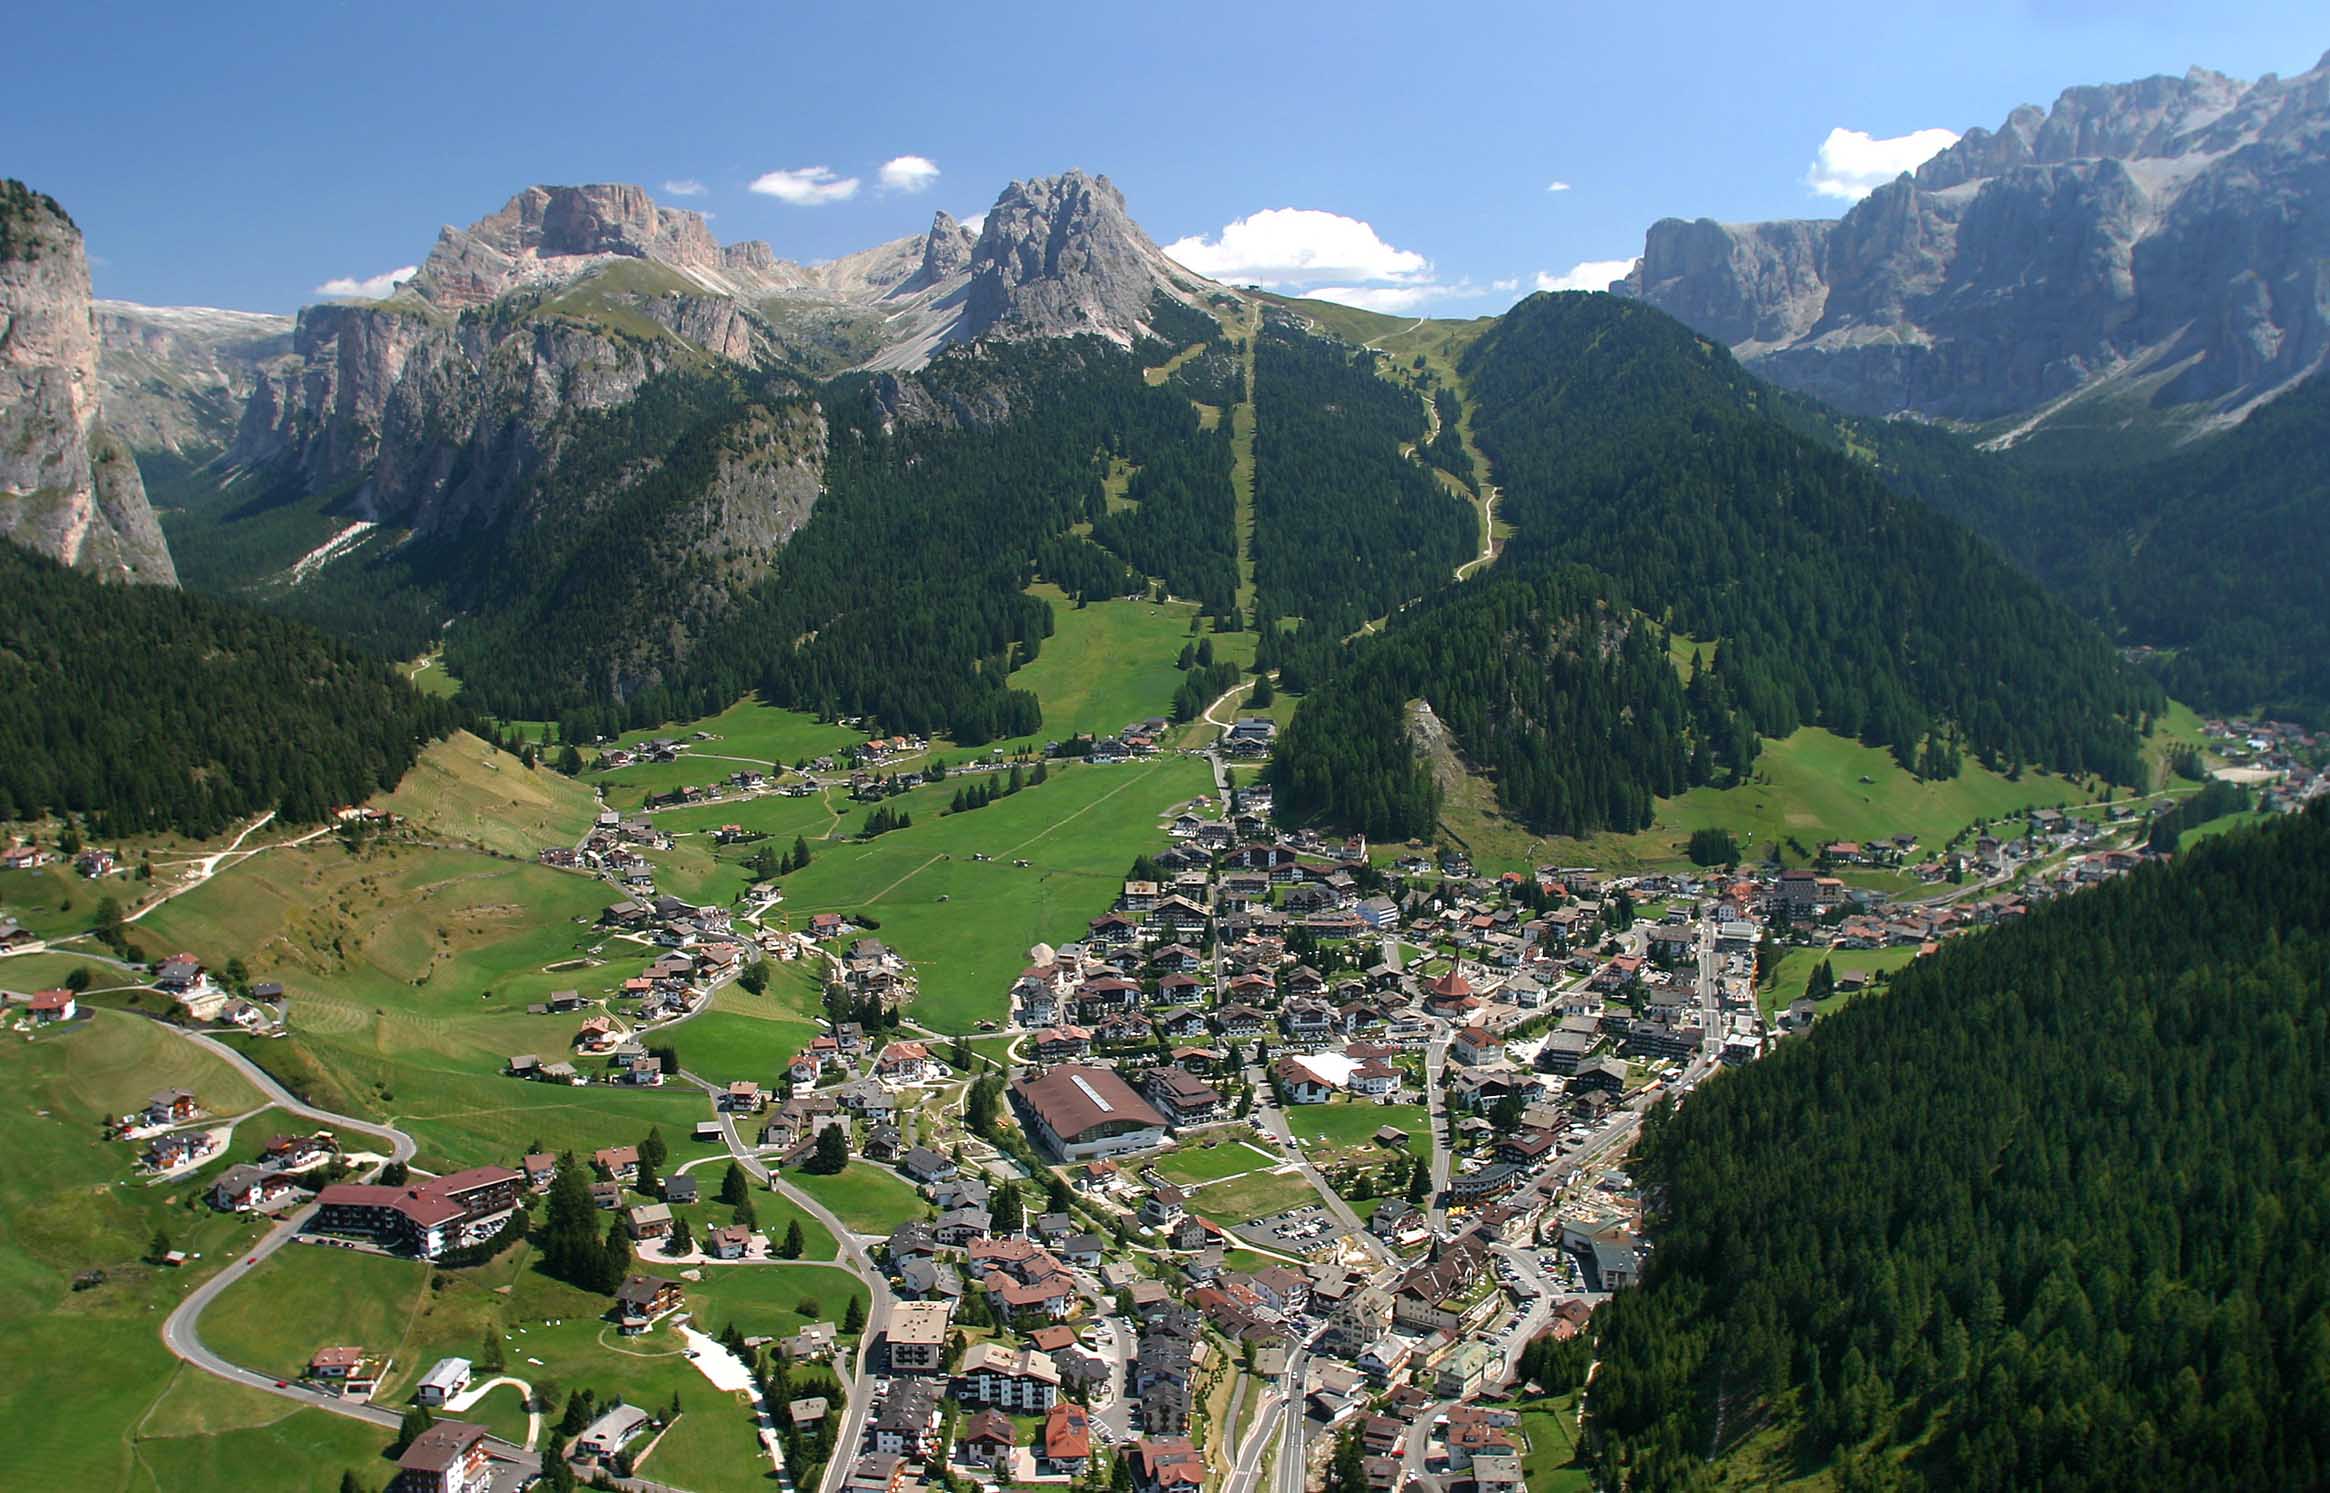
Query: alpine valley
{"x": 994, "y": 861}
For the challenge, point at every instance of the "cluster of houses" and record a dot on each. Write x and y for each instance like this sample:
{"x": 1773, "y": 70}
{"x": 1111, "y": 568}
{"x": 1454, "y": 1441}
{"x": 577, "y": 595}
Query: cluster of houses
{"x": 91, "y": 862}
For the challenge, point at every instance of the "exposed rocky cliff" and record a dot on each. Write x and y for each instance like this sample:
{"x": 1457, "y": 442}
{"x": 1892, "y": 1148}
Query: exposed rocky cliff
{"x": 68, "y": 485}
{"x": 2160, "y": 246}
{"x": 176, "y": 378}
{"x": 1059, "y": 256}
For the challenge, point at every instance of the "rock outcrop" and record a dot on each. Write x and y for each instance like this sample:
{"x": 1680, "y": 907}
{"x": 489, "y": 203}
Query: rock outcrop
{"x": 69, "y": 487}
{"x": 1059, "y": 256}
{"x": 176, "y": 378}
{"x": 2162, "y": 242}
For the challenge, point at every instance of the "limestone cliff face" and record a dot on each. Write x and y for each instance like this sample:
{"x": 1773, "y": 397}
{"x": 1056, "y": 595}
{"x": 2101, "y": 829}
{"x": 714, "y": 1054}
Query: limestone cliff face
{"x": 68, "y": 486}
{"x": 2168, "y": 237}
{"x": 175, "y": 378}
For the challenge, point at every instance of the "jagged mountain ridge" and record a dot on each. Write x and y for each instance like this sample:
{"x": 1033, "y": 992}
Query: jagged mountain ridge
{"x": 2159, "y": 244}
{"x": 428, "y": 407}
{"x": 69, "y": 487}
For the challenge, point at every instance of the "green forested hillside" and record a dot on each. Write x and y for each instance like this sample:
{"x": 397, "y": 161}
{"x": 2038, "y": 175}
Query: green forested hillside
{"x": 1626, "y": 445}
{"x": 1553, "y": 682}
{"x": 1346, "y": 527}
{"x": 2214, "y": 554}
{"x": 146, "y": 708}
{"x": 1624, "y": 441}
{"x": 2053, "y": 1213}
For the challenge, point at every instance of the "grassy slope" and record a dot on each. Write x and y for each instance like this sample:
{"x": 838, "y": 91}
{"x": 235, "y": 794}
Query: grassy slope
{"x": 1107, "y": 664}
{"x": 388, "y": 956}
{"x": 1807, "y": 787}
{"x": 466, "y": 792}
{"x": 110, "y": 1411}
{"x": 871, "y": 1199}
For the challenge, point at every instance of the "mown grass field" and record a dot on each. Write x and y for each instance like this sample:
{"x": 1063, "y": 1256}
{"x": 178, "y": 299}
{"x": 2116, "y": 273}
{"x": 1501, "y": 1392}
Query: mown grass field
{"x": 1229, "y": 1159}
{"x": 1110, "y": 663}
{"x": 966, "y": 924}
{"x": 1254, "y": 1195}
{"x": 113, "y": 1409}
{"x": 1344, "y": 1130}
{"x": 868, "y": 1197}
{"x": 1550, "y": 1464}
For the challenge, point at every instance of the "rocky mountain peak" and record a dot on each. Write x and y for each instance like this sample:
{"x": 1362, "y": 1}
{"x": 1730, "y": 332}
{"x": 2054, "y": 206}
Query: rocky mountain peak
{"x": 550, "y": 234}
{"x": 2137, "y": 242}
{"x": 68, "y": 486}
{"x": 1060, "y": 255}
{"x": 946, "y": 249}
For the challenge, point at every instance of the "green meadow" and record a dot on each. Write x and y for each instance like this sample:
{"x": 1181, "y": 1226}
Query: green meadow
{"x": 967, "y": 924}
{"x": 113, "y": 1408}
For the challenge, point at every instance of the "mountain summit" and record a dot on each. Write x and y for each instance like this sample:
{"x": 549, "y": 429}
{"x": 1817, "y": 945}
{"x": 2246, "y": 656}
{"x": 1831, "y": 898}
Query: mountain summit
{"x": 2143, "y": 248}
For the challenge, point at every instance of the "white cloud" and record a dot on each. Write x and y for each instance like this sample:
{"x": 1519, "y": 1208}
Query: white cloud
{"x": 686, "y": 186}
{"x": 1390, "y": 299}
{"x": 1852, "y": 164}
{"x": 1557, "y": 186}
{"x": 907, "y": 173}
{"x": 806, "y": 186}
{"x": 1587, "y": 274}
{"x": 368, "y": 288}
{"x": 1509, "y": 283}
{"x": 1298, "y": 246}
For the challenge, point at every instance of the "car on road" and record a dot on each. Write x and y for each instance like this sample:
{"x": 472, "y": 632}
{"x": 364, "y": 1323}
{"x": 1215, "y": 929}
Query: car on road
{"x": 279, "y": 1384}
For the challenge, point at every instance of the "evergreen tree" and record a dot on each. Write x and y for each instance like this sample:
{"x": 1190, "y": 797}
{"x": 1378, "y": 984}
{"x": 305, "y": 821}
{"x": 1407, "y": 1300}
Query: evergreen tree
{"x": 734, "y": 1188}
{"x": 794, "y": 1242}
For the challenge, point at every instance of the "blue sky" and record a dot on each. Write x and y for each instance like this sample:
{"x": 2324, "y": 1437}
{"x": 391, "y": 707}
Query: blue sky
{"x": 247, "y": 155}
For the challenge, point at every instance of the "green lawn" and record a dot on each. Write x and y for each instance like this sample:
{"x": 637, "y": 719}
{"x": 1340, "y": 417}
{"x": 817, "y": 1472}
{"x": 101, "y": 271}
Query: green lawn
{"x": 766, "y": 1300}
{"x": 1254, "y": 1195}
{"x": 1550, "y": 1464}
{"x": 1797, "y": 965}
{"x": 966, "y": 924}
{"x": 1229, "y": 1159}
{"x": 1339, "y": 1131}
{"x": 869, "y": 1198}
{"x": 774, "y": 1211}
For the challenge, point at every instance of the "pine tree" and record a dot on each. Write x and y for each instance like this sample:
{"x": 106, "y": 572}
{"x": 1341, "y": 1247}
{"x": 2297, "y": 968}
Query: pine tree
{"x": 733, "y": 1187}
{"x": 853, "y": 1318}
{"x": 794, "y": 1243}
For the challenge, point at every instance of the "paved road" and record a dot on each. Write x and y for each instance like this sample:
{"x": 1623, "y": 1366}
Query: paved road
{"x": 1436, "y": 1120}
{"x": 182, "y": 1329}
{"x": 400, "y": 1145}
